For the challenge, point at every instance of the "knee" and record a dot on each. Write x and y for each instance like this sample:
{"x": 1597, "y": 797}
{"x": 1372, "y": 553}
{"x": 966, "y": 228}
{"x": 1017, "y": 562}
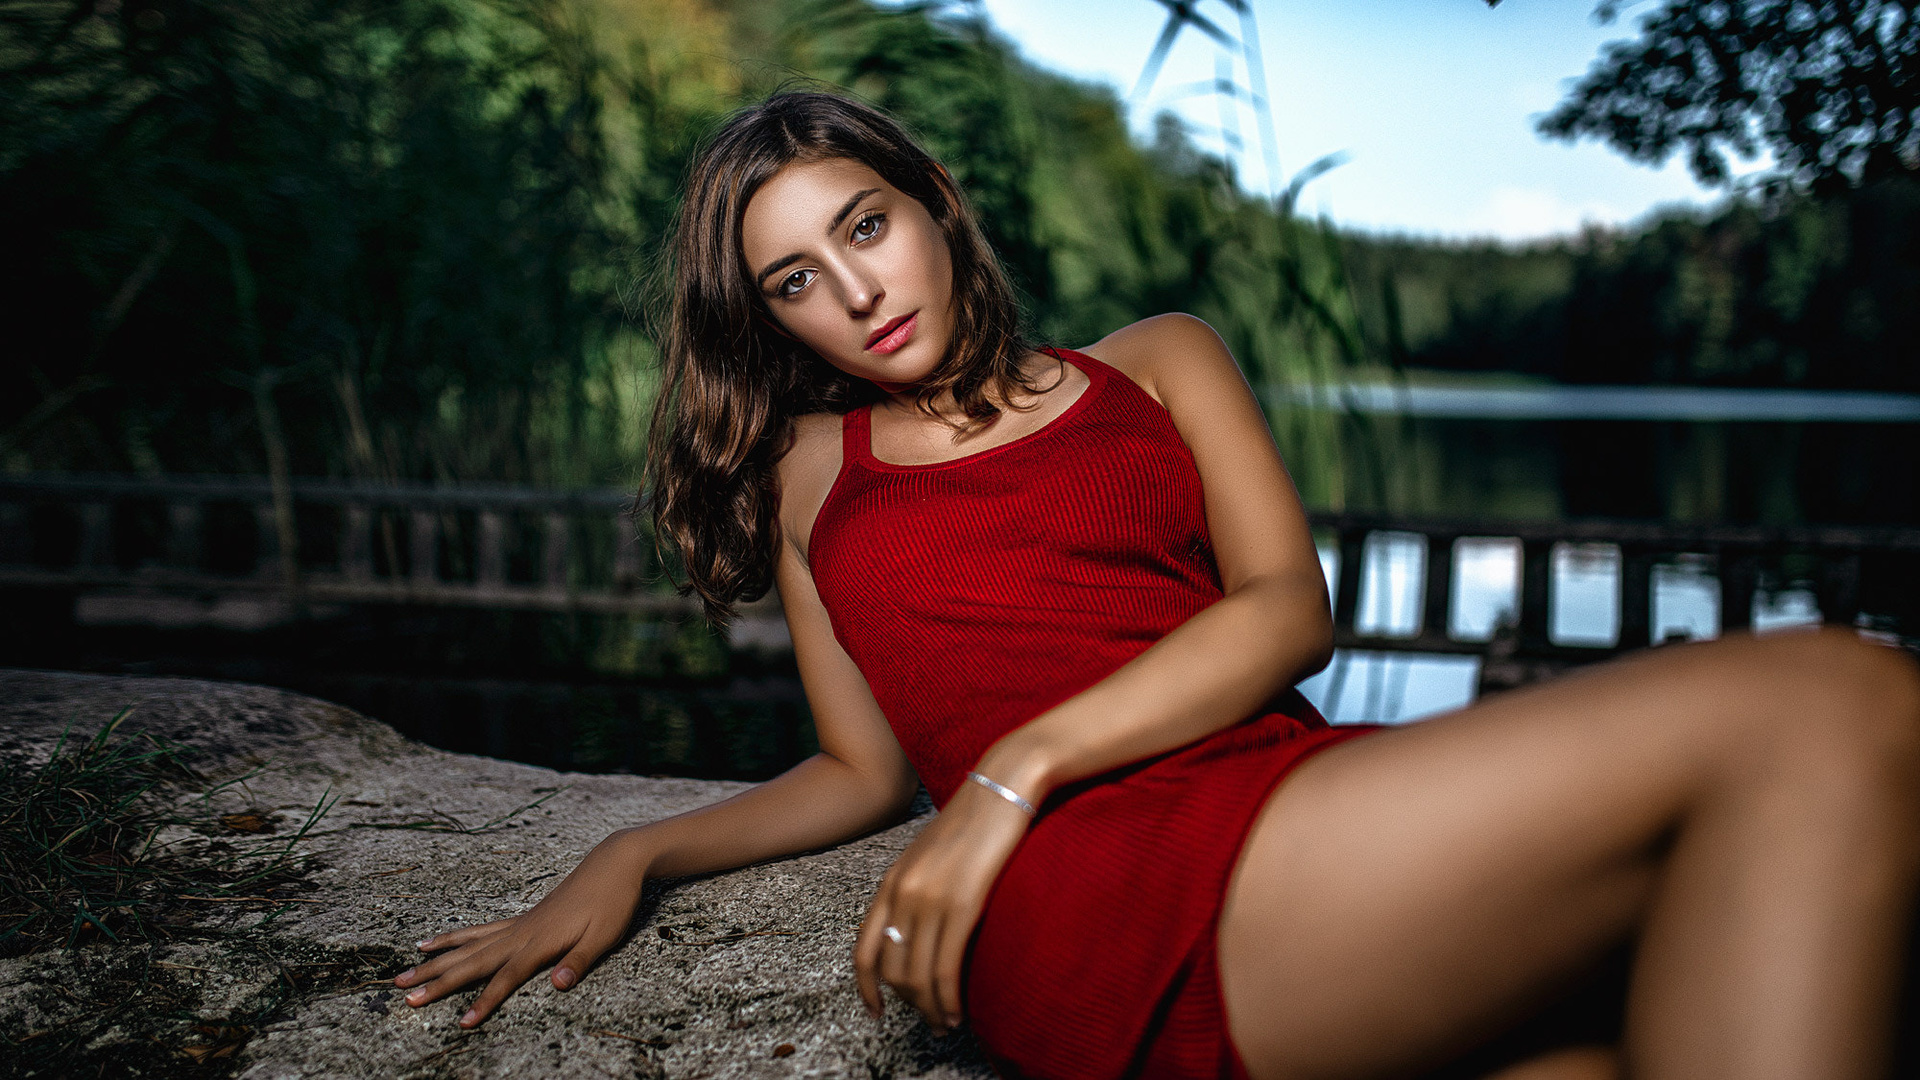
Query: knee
{"x": 1855, "y": 705}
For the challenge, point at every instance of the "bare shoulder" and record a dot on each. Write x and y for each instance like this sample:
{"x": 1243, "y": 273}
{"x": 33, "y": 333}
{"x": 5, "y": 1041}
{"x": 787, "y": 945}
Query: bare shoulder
{"x": 1165, "y": 351}
{"x": 807, "y": 472}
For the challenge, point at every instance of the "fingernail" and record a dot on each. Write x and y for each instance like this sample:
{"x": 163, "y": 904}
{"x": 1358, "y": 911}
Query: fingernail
{"x": 423, "y": 943}
{"x": 417, "y": 996}
{"x": 563, "y": 977}
{"x": 407, "y": 974}
{"x": 469, "y": 1018}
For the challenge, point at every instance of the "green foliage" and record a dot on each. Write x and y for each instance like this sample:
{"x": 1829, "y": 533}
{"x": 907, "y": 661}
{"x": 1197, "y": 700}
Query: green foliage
{"x": 402, "y": 239}
{"x": 387, "y": 236}
{"x": 1793, "y": 292}
{"x": 1829, "y": 87}
{"x": 415, "y": 239}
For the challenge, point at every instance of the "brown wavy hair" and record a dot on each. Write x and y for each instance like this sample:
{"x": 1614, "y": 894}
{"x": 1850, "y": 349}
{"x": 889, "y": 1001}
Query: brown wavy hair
{"x": 732, "y": 384}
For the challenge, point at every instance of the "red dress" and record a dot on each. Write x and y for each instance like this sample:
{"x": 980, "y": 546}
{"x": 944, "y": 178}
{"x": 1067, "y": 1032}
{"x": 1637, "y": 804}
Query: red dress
{"x": 977, "y": 593}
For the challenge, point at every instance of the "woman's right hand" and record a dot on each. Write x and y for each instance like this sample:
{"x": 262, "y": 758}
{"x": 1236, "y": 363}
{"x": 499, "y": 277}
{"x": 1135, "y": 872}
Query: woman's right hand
{"x": 576, "y": 923}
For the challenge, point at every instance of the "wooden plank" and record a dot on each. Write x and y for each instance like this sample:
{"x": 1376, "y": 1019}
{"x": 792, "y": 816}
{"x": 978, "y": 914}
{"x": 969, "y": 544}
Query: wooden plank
{"x": 1838, "y": 587}
{"x": 266, "y": 542}
{"x": 490, "y": 550}
{"x": 1636, "y": 595}
{"x": 628, "y": 559}
{"x": 16, "y": 534}
{"x": 1436, "y": 584}
{"x": 423, "y": 547}
{"x": 356, "y": 543}
{"x": 1346, "y": 590}
{"x": 183, "y": 535}
{"x": 1536, "y": 578}
{"x": 96, "y": 535}
{"x": 554, "y": 552}
{"x": 1739, "y": 573}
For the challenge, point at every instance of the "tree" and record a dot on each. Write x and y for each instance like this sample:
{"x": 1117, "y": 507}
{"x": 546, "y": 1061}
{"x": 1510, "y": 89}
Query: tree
{"x": 1830, "y": 87}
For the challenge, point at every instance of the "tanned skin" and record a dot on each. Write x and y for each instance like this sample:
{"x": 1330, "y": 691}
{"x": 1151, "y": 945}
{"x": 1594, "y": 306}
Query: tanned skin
{"x": 1743, "y": 812}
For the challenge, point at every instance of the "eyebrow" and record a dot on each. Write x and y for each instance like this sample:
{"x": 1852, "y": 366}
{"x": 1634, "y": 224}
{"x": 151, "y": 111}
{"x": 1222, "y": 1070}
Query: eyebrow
{"x": 785, "y": 261}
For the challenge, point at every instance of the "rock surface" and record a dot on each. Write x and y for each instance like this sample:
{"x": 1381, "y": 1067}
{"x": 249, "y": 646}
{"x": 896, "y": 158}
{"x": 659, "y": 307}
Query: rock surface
{"x": 745, "y": 974}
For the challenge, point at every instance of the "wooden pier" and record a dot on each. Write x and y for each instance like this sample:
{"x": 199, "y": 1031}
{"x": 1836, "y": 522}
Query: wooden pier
{"x": 321, "y": 543}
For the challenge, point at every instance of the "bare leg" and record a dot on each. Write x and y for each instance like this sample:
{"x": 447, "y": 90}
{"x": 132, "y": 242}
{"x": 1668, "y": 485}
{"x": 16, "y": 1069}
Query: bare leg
{"x": 1748, "y": 808}
{"x": 1574, "y": 1063}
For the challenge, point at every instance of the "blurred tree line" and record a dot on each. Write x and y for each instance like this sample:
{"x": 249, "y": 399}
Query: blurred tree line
{"x": 1808, "y": 279}
{"x": 1780, "y": 291}
{"x": 415, "y": 239}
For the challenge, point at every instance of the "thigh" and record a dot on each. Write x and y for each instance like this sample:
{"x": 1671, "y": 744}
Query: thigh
{"x": 1406, "y": 895}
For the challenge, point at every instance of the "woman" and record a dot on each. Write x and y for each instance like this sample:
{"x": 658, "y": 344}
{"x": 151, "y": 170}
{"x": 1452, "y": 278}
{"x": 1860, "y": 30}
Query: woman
{"x": 1070, "y": 592}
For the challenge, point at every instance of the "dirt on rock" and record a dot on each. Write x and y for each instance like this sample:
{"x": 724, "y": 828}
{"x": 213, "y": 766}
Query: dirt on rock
{"x": 745, "y": 974}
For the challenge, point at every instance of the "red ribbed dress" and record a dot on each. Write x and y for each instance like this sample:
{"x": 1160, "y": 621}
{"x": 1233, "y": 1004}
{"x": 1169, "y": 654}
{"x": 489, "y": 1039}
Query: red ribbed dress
{"x": 977, "y": 593}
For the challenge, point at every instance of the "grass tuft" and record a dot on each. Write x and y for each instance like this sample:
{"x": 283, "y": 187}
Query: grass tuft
{"x": 79, "y": 850}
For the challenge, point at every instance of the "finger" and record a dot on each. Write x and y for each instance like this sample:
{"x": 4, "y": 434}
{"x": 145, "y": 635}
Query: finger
{"x": 866, "y": 957}
{"x": 947, "y": 961}
{"x": 592, "y": 945}
{"x": 922, "y": 948}
{"x": 516, "y": 971}
{"x": 454, "y": 938}
{"x": 896, "y": 960}
{"x": 469, "y": 966}
{"x": 432, "y": 969}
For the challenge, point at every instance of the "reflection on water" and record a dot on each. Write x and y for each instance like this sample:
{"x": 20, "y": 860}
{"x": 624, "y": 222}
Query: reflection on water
{"x": 1362, "y": 686}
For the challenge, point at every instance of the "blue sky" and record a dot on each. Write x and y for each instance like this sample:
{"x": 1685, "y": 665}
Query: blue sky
{"x": 1433, "y": 101}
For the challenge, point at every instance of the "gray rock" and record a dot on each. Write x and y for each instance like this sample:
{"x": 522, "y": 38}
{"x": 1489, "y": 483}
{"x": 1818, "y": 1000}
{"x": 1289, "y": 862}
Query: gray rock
{"x": 745, "y": 974}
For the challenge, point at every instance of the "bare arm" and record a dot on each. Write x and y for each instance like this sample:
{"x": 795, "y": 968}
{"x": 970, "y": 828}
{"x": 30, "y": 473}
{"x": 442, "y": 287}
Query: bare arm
{"x": 858, "y": 782}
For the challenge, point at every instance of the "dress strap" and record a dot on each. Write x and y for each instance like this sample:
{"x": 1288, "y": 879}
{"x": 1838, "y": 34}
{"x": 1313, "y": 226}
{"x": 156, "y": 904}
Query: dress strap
{"x": 856, "y": 438}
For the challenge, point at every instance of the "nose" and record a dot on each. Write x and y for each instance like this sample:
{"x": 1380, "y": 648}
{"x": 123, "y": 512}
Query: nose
{"x": 864, "y": 292}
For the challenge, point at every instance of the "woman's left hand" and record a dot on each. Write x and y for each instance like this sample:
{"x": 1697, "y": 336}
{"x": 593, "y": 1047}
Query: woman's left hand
{"x": 932, "y": 897}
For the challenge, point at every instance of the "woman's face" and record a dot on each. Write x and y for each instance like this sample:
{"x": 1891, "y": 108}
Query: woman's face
{"x": 853, "y": 268}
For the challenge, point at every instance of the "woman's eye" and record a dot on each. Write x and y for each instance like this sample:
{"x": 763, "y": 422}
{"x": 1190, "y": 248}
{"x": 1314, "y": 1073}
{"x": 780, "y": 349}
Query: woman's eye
{"x": 867, "y": 227}
{"x": 795, "y": 282}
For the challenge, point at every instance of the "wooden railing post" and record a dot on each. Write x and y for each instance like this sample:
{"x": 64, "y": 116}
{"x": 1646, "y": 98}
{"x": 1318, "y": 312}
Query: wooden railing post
{"x": 626, "y": 551}
{"x": 1437, "y": 586}
{"x": 1636, "y": 596}
{"x": 16, "y": 541}
{"x": 96, "y": 536}
{"x": 491, "y": 550}
{"x": 356, "y": 544}
{"x": 183, "y": 535}
{"x": 423, "y": 547}
{"x": 266, "y": 542}
{"x": 1346, "y": 591}
{"x": 554, "y": 552}
{"x": 1838, "y": 587}
{"x": 1739, "y": 571}
{"x": 1536, "y": 578}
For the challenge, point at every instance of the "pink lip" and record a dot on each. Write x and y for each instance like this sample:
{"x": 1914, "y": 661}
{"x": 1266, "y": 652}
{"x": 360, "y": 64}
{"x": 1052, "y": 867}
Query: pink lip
{"x": 895, "y": 333}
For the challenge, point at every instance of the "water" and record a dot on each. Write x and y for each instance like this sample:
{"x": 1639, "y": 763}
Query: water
{"x": 1558, "y": 402}
{"x": 1362, "y": 686}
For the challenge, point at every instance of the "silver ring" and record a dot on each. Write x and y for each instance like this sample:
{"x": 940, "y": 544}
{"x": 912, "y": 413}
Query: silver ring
{"x": 894, "y": 935}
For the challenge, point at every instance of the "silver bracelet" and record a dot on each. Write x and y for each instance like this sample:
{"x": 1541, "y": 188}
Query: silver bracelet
{"x": 1004, "y": 792}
